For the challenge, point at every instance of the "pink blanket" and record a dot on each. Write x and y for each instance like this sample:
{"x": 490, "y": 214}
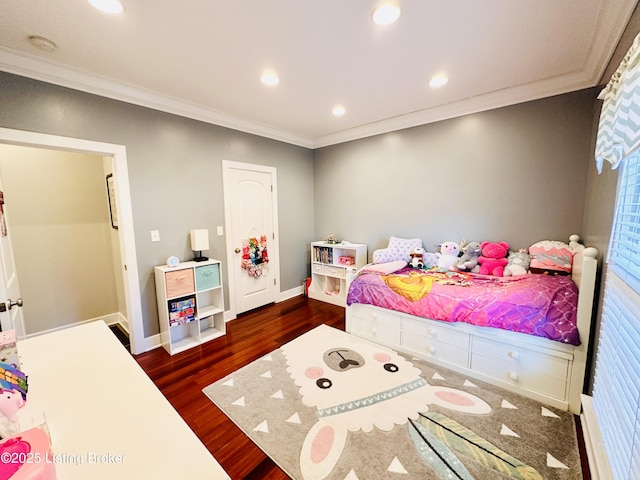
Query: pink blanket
{"x": 540, "y": 305}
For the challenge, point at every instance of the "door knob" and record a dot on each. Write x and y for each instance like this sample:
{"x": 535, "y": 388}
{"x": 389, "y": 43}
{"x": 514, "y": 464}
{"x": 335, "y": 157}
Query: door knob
{"x": 9, "y": 304}
{"x": 237, "y": 250}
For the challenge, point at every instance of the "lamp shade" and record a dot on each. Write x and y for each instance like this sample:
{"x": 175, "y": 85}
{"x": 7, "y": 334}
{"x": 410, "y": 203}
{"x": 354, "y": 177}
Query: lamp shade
{"x": 199, "y": 239}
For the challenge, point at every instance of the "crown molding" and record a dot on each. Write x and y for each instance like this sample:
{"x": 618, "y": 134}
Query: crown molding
{"x": 37, "y": 69}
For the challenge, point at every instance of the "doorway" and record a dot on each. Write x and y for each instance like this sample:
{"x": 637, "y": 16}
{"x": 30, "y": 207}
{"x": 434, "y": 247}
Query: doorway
{"x": 251, "y": 221}
{"x": 125, "y": 238}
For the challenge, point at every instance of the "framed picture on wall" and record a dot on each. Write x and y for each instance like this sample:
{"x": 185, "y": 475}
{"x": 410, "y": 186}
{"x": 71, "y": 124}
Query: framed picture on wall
{"x": 111, "y": 192}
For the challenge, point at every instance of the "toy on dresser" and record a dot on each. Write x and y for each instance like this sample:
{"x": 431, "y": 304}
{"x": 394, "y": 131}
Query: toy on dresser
{"x": 30, "y": 456}
{"x": 9, "y": 348}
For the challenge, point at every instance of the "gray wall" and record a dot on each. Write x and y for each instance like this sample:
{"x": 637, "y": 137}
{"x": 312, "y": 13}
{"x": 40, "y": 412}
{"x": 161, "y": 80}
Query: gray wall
{"x": 175, "y": 173}
{"x": 517, "y": 174}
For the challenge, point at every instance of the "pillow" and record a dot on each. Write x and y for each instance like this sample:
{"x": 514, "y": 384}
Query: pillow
{"x": 384, "y": 268}
{"x": 398, "y": 249}
{"x": 551, "y": 257}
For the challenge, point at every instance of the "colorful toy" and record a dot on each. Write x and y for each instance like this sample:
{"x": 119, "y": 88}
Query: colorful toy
{"x": 518, "y": 263}
{"x": 10, "y": 402}
{"x": 471, "y": 251}
{"x": 417, "y": 260}
{"x": 493, "y": 258}
{"x": 448, "y": 256}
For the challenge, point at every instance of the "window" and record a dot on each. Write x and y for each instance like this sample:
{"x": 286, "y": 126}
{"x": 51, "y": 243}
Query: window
{"x": 624, "y": 247}
{"x": 616, "y": 389}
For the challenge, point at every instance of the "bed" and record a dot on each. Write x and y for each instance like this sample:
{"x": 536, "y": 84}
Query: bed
{"x": 526, "y": 333}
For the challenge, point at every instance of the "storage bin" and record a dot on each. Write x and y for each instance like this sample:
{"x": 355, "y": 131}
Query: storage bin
{"x": 207, "y": 277}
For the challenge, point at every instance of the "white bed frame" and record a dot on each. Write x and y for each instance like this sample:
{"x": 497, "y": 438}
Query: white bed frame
{"x": 538, "y": 368}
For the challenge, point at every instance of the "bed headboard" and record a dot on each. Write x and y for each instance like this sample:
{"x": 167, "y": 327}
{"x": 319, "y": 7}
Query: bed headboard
{"x": 583, "y": 273}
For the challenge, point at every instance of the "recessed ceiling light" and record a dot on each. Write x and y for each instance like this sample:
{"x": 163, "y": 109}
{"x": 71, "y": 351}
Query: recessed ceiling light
{"x": 108, "y": 6}
{"x": 338, "y": 111}
{"x": 386, "y": 14}
{"x": 42, "y": 43}
{"x": 269, "y": 79}
{"x": 438, "y": 81}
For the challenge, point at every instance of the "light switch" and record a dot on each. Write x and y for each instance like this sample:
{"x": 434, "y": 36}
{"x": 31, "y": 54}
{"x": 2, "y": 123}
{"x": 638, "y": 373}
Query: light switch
{"x": 155, "y": 235}
{"x": 220, "y": 231}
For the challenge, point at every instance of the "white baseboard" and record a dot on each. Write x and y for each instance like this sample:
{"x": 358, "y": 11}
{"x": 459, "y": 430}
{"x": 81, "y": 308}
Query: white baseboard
{"x": 294, "y": 292}
{"x": 598, "y": 461}
{"x": 109, "y": 319}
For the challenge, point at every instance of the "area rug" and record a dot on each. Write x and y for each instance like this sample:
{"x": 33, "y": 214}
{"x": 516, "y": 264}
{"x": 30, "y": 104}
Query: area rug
{"x": 332, "y": 405}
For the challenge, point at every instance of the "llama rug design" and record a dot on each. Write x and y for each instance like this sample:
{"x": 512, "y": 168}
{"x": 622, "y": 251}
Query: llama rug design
{"x": 329, "y": 405}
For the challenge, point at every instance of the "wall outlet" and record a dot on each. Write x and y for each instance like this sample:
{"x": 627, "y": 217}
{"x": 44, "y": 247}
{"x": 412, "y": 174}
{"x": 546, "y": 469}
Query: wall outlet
{"x": 155, "y": 235}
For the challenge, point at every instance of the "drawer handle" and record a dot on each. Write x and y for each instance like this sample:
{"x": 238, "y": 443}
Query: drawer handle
{"x": 431, "y": 349}
{"x": 374, "y": 330}
{"x": 514, "y": 355}
{"x": 513, "y": 376}
{"x": 431, "y": 332}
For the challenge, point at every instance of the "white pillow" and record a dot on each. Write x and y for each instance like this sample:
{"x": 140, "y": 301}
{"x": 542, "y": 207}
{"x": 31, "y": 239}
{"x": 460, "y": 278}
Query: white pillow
{"x": 384, "y": 268}
{"x": 398, "y": 249}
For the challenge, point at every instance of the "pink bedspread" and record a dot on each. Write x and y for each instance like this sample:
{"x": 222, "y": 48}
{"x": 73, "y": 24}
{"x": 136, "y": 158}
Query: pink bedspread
{"x": 540, "y": 305}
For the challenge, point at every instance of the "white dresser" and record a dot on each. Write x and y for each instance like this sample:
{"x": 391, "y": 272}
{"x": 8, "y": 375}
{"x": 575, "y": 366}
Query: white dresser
{"x": 106, "y": 417}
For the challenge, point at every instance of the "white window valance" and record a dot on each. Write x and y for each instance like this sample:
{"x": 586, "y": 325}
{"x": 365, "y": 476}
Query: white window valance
{"x": 619, "y": 126}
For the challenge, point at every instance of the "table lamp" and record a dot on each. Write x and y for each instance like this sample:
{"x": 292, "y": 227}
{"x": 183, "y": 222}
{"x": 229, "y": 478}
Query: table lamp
{"x": 199, "y": 242}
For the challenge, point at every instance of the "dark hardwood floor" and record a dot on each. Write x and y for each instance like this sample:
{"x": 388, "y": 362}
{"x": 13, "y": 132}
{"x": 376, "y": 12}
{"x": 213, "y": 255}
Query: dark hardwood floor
{"x": 182, "y": 377}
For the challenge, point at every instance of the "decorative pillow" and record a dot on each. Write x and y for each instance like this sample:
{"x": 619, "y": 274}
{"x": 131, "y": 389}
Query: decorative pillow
{"x": 384, "y": 268}
{"x": 398, "y": 249}
{"x": 551, "y": 257}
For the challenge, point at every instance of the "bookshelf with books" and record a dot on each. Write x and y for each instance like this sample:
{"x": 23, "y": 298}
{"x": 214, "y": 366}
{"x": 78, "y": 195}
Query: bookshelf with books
{"x": 331, "y": 267}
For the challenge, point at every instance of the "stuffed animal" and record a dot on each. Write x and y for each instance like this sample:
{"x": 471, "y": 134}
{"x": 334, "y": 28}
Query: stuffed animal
{"x": 448, "y": 255}
{"x": 417, "y": 260}
{"x": 471, "y": 251}
{"x": 518, "y": 263}
{"x": 493, "y": 258}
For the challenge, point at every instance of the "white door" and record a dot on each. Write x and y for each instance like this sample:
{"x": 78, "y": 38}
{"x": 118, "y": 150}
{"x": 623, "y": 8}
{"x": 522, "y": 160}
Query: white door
{"x": 250, "y": 208}
{"x": 10, "y": 300}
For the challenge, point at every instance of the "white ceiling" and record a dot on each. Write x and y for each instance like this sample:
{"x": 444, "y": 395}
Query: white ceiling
{"x": 203, "y": 58}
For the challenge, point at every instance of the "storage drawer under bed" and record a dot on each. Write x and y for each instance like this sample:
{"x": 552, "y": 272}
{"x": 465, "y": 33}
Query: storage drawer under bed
{"x": 530, "y": 369}
{"x": 373, "y": 324}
